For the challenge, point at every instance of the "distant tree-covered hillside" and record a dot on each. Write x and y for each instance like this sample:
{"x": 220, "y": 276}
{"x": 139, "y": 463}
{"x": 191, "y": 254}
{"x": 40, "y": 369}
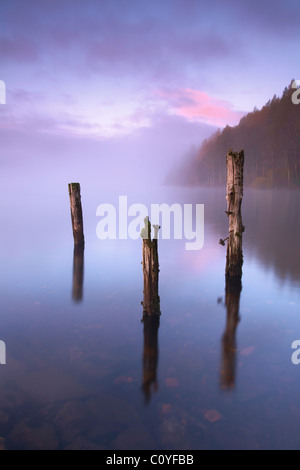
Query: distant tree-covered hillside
{"x": 270, "y": 138}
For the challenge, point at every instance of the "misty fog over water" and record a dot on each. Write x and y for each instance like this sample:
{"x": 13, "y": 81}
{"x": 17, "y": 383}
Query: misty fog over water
{"x": 78, "y": 356}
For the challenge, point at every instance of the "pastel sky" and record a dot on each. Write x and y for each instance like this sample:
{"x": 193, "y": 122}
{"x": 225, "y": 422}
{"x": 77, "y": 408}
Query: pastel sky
{"x": 137, "y": 71}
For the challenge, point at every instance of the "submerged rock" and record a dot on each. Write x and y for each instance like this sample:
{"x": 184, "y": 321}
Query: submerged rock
{"x": 27, "y": 437}
{"x": 82, "y": 443}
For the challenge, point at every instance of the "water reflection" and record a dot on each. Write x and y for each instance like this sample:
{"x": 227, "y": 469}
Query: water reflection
{"x": 78, "y": 269}
{"x": 272, "y": 227}
{"x": 273, "y": 219}
{"x": 150, "y": 355}
{"x": 233, "y": 290}
{"x": 77, "y": 369}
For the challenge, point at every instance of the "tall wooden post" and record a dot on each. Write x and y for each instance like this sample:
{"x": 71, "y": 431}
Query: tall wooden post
{"x": 235, "y": 169}
{"x": 76, "y": 213}
{"x": 151, "y": 300}
{"x": 151, "y": 308}
{"x": 234, "y": 263}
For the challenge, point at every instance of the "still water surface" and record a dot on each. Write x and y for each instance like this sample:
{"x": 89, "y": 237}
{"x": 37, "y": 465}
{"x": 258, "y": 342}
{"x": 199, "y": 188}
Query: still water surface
{"x": 212, "y": 372}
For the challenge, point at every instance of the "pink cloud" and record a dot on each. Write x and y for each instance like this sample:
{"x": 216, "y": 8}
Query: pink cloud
{"x": 197, "y": 105}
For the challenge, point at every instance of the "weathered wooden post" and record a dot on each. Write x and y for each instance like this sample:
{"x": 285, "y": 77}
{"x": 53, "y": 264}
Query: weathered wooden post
{"x": 151, "y": 307}
{"x": 234, "y": 197}
{"x": 76, "y": 213}
{"x": 151, "y": 300}
{"x": 229, "y": 348}
{"x": 78, "y": 270}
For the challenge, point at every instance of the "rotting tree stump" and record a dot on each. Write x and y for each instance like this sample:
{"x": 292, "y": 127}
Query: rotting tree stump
{"x": 151, "y": 300}
{"x": 76, "y": 213}
{"x": 234, "y": 197}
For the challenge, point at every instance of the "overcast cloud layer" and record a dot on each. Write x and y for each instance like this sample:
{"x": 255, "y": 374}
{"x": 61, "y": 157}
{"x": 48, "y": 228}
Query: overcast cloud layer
{"x": 136, "y": 78}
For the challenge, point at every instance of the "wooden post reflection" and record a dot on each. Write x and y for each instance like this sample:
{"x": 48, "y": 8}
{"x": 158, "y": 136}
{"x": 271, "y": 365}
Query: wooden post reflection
{"x": 78, "y": 270}
{"x": 229, "y": 347}
{"x": 150, "y": 354}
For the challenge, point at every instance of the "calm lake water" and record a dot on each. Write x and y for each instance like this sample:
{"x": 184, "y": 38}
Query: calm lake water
{"x": 84, "y": 372}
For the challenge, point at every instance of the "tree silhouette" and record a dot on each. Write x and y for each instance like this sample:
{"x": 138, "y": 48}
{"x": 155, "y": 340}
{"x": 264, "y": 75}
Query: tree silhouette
{"x": 271, "y": 140}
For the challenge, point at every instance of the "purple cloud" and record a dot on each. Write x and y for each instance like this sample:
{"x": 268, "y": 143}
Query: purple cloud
{"x": 18, "y": 49}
